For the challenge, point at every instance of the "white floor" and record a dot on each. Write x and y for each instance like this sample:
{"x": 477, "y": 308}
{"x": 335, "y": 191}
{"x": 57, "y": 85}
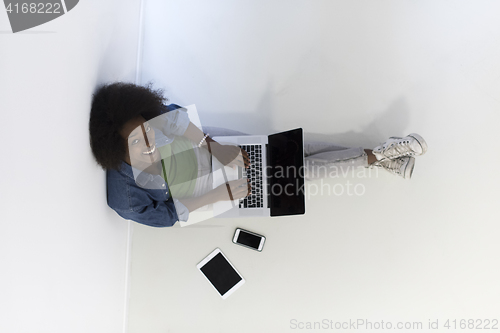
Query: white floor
{"x": 353, "y": 73}
{"x": 63, "y": 251}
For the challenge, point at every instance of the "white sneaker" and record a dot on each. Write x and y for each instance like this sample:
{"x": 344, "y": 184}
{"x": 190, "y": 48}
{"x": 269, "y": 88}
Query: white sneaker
{"x": 402, "y": 166}
{"x": 411, "y": 145}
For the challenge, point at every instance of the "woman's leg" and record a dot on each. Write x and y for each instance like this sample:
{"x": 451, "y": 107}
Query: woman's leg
{"x": 219, "y": 131}
{"x": 371, "y": 158}
{"x": 323, "y": 159}
{"x": 319, "y": 156}
{"x": 319, "y": 151}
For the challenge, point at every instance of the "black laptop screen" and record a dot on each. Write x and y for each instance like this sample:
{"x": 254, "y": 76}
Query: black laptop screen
{"x": 286, "y": 173}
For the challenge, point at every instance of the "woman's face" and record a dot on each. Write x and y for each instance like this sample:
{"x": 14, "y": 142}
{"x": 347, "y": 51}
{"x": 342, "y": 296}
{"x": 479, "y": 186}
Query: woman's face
{"x": 141, "y": 148}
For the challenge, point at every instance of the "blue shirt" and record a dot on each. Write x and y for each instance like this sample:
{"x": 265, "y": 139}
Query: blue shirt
{"x": 147, "y": 200}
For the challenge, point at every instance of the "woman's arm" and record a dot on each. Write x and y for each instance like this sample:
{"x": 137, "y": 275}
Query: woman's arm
{"x": 194, "y": 134}
{"x": 224, "y": 153}
{"x": 235, "y": 189}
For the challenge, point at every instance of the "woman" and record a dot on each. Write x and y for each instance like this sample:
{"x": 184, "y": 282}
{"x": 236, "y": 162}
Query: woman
{"x": 132, "y": 137}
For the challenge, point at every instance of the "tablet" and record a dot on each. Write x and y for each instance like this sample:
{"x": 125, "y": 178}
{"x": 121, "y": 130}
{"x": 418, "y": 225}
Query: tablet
{"x": 220, "y": 273}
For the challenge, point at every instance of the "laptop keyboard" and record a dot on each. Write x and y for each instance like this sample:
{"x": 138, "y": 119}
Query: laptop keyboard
{"x": 254, "y": 174}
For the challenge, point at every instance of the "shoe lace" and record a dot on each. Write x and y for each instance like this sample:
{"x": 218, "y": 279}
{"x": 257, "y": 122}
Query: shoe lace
{"x": 401, "y": 148}
{"x": 394, "y": 165}
{"x": 390, "y": 165}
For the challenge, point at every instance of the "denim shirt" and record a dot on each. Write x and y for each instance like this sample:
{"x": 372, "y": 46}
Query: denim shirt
{"x": 148, "y": 200}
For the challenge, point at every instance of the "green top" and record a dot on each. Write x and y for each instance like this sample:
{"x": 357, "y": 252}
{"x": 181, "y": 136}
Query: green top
{"x": 180, "y": 167}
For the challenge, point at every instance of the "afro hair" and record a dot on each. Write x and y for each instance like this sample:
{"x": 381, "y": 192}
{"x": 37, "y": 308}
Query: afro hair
{"x": 113, "y": 105}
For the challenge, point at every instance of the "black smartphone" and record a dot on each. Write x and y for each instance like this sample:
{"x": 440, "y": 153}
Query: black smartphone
{"x": 249, "y": 239}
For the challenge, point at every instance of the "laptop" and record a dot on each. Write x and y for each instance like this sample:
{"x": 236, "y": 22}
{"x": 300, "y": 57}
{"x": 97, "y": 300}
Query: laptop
{"x": 276, "y": 173}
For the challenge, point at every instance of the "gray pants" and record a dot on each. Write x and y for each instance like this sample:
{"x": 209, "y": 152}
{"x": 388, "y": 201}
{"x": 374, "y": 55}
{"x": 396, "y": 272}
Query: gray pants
{"x": 321, "y": 158}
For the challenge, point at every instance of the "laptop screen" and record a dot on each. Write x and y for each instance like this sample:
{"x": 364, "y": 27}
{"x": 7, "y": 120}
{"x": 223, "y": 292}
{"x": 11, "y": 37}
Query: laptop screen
{"x": 286, "y": 170}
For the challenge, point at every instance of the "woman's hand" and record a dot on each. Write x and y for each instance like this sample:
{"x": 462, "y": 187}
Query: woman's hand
{"x": 232, "y": 190}
{"x": 229, "y": 155}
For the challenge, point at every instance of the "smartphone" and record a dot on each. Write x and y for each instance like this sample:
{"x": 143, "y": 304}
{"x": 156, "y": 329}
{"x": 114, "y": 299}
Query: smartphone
{"x": 249, "y": 239}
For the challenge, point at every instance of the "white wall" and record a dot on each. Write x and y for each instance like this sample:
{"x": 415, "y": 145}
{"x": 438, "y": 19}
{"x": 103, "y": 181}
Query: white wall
{"x": 62, "y": 250}
{"x": 354, "y": 73}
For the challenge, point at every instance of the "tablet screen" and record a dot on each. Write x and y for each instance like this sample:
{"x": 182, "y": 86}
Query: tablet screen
{"x": 221, "y": 274}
